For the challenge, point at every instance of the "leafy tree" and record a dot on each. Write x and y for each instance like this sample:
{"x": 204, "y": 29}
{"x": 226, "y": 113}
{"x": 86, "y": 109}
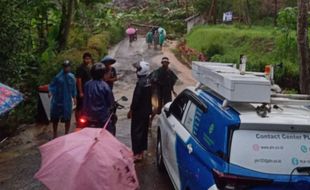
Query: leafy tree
{"x": 246, "y": 9}
{"x": 202, "y": 6}
{"x": 286, "y": 40}
{"x": 287, "y": 18}
{"x": 15, "y": 40}
{"x": 290, "y": 3}
{"x": 219, "y": 7}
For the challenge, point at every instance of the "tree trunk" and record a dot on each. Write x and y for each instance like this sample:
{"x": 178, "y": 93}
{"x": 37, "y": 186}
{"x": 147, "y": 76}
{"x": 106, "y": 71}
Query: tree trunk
{"x": 42, "y": 30}
{"x": 212, "y": 12}
{"x": 186, "y": 7}
{"x": 303, "y": 47}
{"x": 275, "y": 12}
{"x": 215, "y": 12}
{"x": 247, "y": 15}
{"x": 65, "y": 24}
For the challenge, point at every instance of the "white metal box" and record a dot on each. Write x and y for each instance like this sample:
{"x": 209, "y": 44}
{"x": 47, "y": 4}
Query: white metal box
{"x": 230, "y": 84}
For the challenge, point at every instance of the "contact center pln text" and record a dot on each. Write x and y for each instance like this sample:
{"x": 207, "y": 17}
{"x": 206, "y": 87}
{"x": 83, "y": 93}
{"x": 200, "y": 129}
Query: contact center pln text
{"x": 284, "y": 136}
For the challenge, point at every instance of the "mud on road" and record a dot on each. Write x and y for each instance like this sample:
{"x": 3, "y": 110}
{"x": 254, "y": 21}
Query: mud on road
{"x": 19, "y": 155}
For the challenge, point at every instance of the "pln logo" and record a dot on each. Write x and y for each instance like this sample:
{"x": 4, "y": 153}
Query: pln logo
{"x": 295, "y": 161}
{"x": 304, "y": 148}
{"x": 211, "y": 129}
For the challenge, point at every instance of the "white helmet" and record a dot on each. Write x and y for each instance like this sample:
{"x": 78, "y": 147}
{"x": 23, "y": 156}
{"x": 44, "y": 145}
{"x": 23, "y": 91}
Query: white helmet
{"x": 143, "y": 68}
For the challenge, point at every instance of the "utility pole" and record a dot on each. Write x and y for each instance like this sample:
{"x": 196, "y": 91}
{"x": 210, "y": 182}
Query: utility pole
{"x": 303, "y": 46}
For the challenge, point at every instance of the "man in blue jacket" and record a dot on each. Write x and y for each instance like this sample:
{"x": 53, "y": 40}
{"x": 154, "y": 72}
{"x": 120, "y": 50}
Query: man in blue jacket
{"x": 62, "y": 89}
{"x": 98, "y": 98}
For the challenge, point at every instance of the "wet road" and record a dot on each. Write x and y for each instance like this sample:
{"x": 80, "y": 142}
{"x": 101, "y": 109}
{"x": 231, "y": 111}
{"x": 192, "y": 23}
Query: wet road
{"x": 20, "y": 158}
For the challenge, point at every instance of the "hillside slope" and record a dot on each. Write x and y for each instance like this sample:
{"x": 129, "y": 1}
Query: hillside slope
{"x": 260, "y": 44}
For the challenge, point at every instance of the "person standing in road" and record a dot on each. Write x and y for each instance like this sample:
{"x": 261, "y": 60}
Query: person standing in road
{"x": 140, "y": 111}
{"x": 62, "y": 89}
{"x": 131, "y": 32}
{"x": 164, "y": 80}
{"x": 110, "y": 72}
{"x": 82, "y": 76}
{"x": 149, "y": 39}
{"x": 110, "y": 76}
{"x": 98, "y": 98}
{"x": 156, "y": 39}
{"x": 161, "y": 39}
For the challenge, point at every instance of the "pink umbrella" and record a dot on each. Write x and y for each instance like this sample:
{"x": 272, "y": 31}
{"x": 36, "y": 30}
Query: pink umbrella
{"x": 87, "y": 159}
{"x": 130, "y": 31}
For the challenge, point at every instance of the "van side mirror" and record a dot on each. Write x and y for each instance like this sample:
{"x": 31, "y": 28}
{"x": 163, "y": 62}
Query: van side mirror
{"x": 167, "y": 111}
{"x": 124, "y": 98}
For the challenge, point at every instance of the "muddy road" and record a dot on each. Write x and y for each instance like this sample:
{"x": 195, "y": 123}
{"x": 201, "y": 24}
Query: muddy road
{"x": 19, "y": 155}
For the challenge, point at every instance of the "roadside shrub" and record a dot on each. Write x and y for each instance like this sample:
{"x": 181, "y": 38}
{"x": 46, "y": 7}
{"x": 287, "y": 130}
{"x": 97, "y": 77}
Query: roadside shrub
{"x": 288, "y": 76}
{"x": 50, "y": 69}
{"x": 224, "y": 59}
{"x": 286, "y": 43}
{"x": 99, "y": 43}
{"x": 116, "y": 33}
{"x": 214, "y": 49}
{"x": 77, "y": 38}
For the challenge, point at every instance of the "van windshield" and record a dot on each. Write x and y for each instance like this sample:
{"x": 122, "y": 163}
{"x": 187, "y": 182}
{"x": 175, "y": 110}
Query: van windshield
{"x": 270, "y": 152}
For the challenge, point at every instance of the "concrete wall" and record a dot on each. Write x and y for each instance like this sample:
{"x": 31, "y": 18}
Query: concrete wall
{"x": 191, "y": 22}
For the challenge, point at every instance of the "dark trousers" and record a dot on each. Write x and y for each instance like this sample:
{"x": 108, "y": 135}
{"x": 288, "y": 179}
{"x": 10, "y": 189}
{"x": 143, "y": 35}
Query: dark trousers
{"x": 165, "y": 96}
{"x": 139, "y": 132}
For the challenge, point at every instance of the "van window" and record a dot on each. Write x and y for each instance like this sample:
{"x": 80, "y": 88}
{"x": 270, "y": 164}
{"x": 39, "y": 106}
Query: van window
{"x": 200, "y": 125}
{"x": 192, "y": 119}
{"x": 178, "y": 106}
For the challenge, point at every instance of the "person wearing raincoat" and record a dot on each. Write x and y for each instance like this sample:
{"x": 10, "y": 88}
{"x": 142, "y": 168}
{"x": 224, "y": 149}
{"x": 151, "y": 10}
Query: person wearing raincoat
{"x": 98, "y": 98}
{"x": 161, "y": 39}
{"x": 140, "y": 111}
{"x": 155, "y": 39}
{"x": 149, "y": 39}
{"x": 62, "y": 89}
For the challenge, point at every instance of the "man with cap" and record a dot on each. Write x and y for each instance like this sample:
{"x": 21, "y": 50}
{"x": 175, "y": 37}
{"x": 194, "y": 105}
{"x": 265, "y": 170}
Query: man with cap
{"x": 62, "y": 89}
{"x": 140, "y": 110}
{"x": 164, "y": 80}
{"x": 110, "y": 75}
{"x": 82, "y": 76}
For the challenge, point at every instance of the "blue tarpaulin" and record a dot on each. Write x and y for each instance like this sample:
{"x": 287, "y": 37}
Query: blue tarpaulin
{"x": 9, "y": 98}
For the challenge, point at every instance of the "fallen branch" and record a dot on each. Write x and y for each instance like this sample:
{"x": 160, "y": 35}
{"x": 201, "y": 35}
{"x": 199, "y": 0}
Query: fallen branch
{"x": 4, "y": 140}
{"x": 144, "y": 25}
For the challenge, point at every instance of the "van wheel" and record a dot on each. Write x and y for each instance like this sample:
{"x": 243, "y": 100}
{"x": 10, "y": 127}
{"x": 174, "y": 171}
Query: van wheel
{"x": 159, "y": 154}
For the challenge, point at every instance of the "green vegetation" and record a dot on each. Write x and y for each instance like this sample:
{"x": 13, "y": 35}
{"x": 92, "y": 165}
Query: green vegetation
{"x": 169, "y": 16}
{"x": 224, "y": 43}
{"x": 38, "y": 35}
{"x": 253, "y": 12}
{"x": 34, "y": 44}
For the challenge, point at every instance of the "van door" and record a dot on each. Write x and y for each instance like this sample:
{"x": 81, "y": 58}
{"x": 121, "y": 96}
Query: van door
{"x": 186, "y": 145}
{"x": 174, "y": 124}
